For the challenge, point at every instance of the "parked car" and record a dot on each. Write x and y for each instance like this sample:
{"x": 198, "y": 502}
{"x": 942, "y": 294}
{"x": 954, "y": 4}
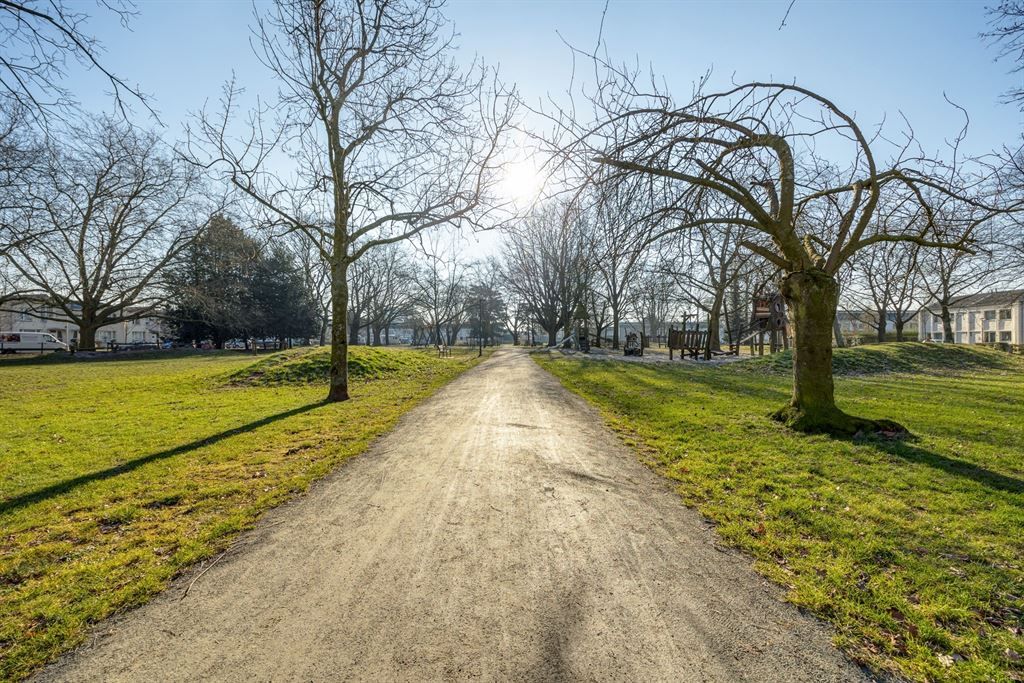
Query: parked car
{"x": 13, "y": 342}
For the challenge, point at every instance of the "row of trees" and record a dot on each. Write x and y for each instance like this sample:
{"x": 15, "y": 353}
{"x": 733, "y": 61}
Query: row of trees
{"x": 705, "y": 199}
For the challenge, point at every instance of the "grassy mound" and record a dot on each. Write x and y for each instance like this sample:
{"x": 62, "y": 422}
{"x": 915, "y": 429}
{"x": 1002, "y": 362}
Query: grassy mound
{"x": 311, "y": 366}
{"x": 903, "y": 357}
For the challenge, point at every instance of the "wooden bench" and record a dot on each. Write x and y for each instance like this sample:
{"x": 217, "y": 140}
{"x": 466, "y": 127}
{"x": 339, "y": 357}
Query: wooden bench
{"x": 443, "y": 351}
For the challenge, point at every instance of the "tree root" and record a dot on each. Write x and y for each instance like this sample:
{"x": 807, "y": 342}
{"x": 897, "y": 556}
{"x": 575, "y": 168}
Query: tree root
{"x": 836, "y": 423}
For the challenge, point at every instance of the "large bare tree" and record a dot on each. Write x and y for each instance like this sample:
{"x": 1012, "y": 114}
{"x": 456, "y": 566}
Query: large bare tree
{"x": 548, "y": 265}
{"x": 105, "y": 215}
{"x": 759, "y": 146}
{"x": 385, "y": 135}
{"x": 624, "y": 221}
{"x": 438, "y": 290}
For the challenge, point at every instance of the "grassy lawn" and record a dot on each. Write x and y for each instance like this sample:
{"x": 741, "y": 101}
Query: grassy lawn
{"x": 117, "y": 475}
{"x": 913, "y": 550}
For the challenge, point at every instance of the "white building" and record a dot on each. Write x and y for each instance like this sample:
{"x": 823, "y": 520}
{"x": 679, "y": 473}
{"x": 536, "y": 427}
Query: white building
{"x": 34, "y": 315}
{"x": 983, "y": 318}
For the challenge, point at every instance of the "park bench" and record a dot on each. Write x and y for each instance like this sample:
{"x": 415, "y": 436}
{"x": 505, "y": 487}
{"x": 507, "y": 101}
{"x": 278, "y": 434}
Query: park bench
{"x": 694, "y": 343}
{"x": 443, "y": 351}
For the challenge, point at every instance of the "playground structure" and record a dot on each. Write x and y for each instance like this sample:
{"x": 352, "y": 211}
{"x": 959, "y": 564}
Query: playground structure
{"x": 634, "y": 345}
{"x": 768, "y": 323}
{"x": 579, "y": 338}
{"x": 690, "y": 343}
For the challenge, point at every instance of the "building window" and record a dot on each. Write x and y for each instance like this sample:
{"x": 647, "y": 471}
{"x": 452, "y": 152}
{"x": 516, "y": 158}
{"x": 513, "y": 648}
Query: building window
{"x": 1004, "y": 314}
{"x": 990, "y": 315}
{"x": 1004, "y": 336}
{"x": 989, "y": 337}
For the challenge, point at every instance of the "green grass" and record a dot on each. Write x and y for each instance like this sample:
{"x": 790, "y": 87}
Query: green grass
{"x": 116, "y": 476}
{"x": 913, "y": 550}
{"x": 303, "y": 366}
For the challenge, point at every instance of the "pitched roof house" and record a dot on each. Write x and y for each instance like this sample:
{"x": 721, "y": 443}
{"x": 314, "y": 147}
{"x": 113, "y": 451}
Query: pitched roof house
{"x": 34, "y": 314}
{"x": 982, "y": 318}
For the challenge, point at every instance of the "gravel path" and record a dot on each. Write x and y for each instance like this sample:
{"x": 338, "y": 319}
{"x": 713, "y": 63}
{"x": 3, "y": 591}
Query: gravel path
{"x": 500, "y": 532}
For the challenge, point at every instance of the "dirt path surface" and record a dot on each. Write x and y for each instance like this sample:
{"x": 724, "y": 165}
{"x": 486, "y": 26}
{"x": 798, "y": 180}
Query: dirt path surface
{"x": 500, "y": 532}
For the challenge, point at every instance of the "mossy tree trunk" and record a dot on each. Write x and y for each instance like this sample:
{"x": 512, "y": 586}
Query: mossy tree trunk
{"x": 812, "y": 297}
{"x": 339, "y": 333}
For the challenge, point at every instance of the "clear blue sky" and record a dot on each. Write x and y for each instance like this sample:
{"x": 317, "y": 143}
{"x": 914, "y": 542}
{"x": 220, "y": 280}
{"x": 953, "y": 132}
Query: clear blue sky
{"x": 874, "y": 58}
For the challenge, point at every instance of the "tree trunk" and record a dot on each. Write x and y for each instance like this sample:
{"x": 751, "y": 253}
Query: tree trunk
{"x": 87, "y": 335}
{"x": 947, "y": 325}
{"x": 339, "y": 321}
{"x": 812, "y": 297}
{"x": 552, "y": 333}
{"x": 353, "y": 328}
{"x": 376, "y": 336}
{"x": 615, "y": 327}
{"x": 883, "y": 325}
{"x": 837, "y": 332}
{"x": 899, "y": 328}
{"x": 714, "y": 323}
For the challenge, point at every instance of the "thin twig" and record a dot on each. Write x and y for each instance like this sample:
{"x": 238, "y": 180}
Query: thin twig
{"x": 786, "y": 15}
{"x": 199, "y": 576}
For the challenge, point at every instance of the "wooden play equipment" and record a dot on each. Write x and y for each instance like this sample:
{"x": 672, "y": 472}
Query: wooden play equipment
{"x": 634, "y": 345}
{"x": 767, "y": 323}
{"x": 694, "y": 343}
{"x": 687, "y": 343}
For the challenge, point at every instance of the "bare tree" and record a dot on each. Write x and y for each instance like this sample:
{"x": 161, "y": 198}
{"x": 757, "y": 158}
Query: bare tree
{"x": 885, "y": 284}
{"x": 20, "y": 154}
{"x": 654, "y": 300}
{"x": 109, "y": 212}
{"x": 946, "y": 274}
{"x": 546, "y": 263}
{"x": 389, "y": 137}
{"x": 392, "y": 297}
{"x": 756, "y": 146}
{"x": 704, "y": 263}
{"x": 317, "y": 274}
{"x": 623, "y": 225}
{"x": 38, "y": 40}
{"x": 438, "y": 290}
{"x": 1006, "y": 32}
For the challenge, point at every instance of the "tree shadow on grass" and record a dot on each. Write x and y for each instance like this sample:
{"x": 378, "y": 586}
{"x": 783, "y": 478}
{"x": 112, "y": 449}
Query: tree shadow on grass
{"x": 959, "y": 468}
{"x": 773, "y": 392}
{"x": 60, "y": 488}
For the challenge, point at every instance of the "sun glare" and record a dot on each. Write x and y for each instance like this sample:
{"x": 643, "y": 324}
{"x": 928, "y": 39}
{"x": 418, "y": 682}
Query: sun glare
{"x": 522, "y": 182}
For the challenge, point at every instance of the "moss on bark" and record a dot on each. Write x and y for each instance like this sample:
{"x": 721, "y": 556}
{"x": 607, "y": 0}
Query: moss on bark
{"x": 812, "y": 297}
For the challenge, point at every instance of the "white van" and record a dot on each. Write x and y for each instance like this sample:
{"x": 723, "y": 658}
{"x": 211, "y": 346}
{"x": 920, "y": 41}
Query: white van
{"x": 12, "y": 342}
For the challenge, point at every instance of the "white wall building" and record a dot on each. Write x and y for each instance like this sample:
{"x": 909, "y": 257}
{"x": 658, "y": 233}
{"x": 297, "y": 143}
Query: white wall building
{"x": 32, "y": 315}
{"x": 983, "y": 318}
